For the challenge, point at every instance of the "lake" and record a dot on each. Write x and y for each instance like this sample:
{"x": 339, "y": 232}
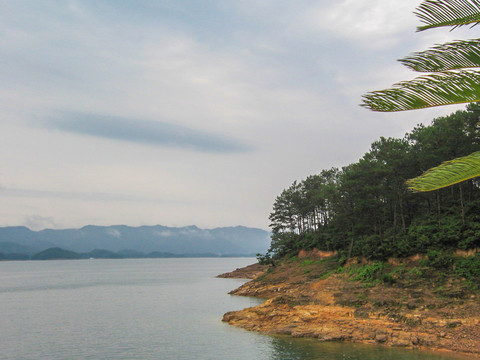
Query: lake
{"x": 144, "y": 309}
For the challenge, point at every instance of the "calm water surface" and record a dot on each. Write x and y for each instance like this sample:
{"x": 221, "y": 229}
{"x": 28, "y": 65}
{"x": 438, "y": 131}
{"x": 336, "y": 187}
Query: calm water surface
{"x": 143, "y": 309}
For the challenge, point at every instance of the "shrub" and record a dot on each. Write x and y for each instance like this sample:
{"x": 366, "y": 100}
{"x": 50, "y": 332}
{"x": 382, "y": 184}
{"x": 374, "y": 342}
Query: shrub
{"x": 438, "y": 259}
{"x": 264, "y": 259}
{"x": 468, "y": 267}
{"x": 388, "y": 279}
{"x": 368, "y": 273}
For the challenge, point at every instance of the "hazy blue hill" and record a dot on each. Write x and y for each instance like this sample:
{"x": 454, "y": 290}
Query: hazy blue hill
{"x": 158, "y": 254}
{"x": 65, "y": 236}
{"x": 237, "y": 240}
{"x": 14, "y": 256}
{"x": 17, "y": 231}
{"x": 17, "y": 256}
{"x": 131, "y": 254}
{"x": 56, "y": 254}
{"x": 21, "y": 235}
{"x": 8, "y": 247}
{"x": 102, "y": 254}
{"x": 239, "y": 236}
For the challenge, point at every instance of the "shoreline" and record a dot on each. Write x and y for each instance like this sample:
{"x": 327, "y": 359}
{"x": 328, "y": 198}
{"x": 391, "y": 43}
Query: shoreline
{"x": 336, "y": 309}
{"x": 247, "y": 272}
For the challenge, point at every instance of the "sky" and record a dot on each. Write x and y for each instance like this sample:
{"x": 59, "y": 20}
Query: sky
{"x": 190, "y": 112}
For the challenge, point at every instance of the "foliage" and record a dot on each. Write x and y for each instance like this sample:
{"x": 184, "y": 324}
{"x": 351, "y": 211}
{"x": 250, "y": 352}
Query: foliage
{"x": 448, "y": 173}
{"x": 264, "y": 259}
{"x": 365, "y": 208}
{"x": 449, "y": 56}
{"x": 369, "y": 272}
{"x": 451, "y": 81}
{"x": 415, "y": 272}
{"x": 437, "y": 89}
{"x": 455, "y": 13}
{"x": 438, "y": 259}
{"x": 468, "y": 267}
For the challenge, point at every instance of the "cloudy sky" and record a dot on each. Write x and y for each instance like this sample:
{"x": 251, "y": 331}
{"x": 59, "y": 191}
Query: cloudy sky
{"x": 180, "y": 112}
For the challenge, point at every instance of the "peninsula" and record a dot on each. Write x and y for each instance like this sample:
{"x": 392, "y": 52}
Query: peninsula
{"x": 406, "y": 303}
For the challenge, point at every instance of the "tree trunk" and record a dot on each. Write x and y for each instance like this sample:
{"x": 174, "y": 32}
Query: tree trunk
{"x": 394, "y": 220}
{"x": 350, "y": 249}
{"x": 402, "y": 215}
{"x": 438, "y": 210}
{"x": 461, "y": 204}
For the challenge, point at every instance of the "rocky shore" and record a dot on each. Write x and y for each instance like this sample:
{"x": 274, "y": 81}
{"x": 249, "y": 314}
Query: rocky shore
{"x": 304, "y": 298}
{"x": 247, "y": 272}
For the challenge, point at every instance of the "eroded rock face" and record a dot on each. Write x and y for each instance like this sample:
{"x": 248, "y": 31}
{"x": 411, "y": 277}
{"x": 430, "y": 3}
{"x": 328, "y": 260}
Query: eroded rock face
{"x": 335, "y": 309}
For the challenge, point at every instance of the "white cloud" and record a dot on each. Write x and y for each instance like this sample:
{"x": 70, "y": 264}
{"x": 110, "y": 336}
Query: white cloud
{"x": 284, "y": 77}
{"x": 38, "y": 222}
{"x": 113, "y": 232}
{"x": 164, "y": 233}
{"x": 372, "y": 24}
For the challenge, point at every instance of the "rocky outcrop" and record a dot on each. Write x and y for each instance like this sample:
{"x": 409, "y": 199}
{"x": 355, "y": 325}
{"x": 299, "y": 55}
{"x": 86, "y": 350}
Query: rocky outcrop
{"x": 247, "y": 272}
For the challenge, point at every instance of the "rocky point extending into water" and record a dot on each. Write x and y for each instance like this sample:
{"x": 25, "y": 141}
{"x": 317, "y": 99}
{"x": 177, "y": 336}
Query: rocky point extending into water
{"x": 247, "y": 272}
{"x": 413, "y": 306}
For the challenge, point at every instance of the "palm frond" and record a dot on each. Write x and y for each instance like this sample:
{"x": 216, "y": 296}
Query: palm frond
{"x": 446, "y": 174}
{"x": 450, "y": 56}
{"x": 455, "y": 13}
{"x": 443, "y": 88}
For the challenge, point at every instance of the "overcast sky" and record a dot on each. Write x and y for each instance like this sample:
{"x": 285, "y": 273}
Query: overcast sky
{"x": 181, "y": 112}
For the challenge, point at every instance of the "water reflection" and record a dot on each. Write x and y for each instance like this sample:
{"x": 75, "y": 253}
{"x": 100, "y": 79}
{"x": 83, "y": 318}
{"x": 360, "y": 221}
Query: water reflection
{"x": 286, "y": 348}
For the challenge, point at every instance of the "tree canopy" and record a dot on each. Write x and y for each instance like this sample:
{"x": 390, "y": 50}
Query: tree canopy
{"x": 365, "y": 208}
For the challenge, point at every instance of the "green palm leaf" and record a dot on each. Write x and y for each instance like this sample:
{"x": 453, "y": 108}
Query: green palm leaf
{"x": 449, "y": 56}
{"x": 455, "y": 13}
{"x": 448, "y": 173}
{"x": 444, "y": 88}
{"x": 447, "y": 84}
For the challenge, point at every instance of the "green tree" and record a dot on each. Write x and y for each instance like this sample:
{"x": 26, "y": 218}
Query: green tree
{"x": 452, "y": 79}
{"x": 365, "y": 208}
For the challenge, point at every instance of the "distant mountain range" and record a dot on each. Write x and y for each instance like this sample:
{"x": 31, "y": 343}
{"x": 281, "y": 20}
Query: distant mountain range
{"x": 19, "y": 242}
